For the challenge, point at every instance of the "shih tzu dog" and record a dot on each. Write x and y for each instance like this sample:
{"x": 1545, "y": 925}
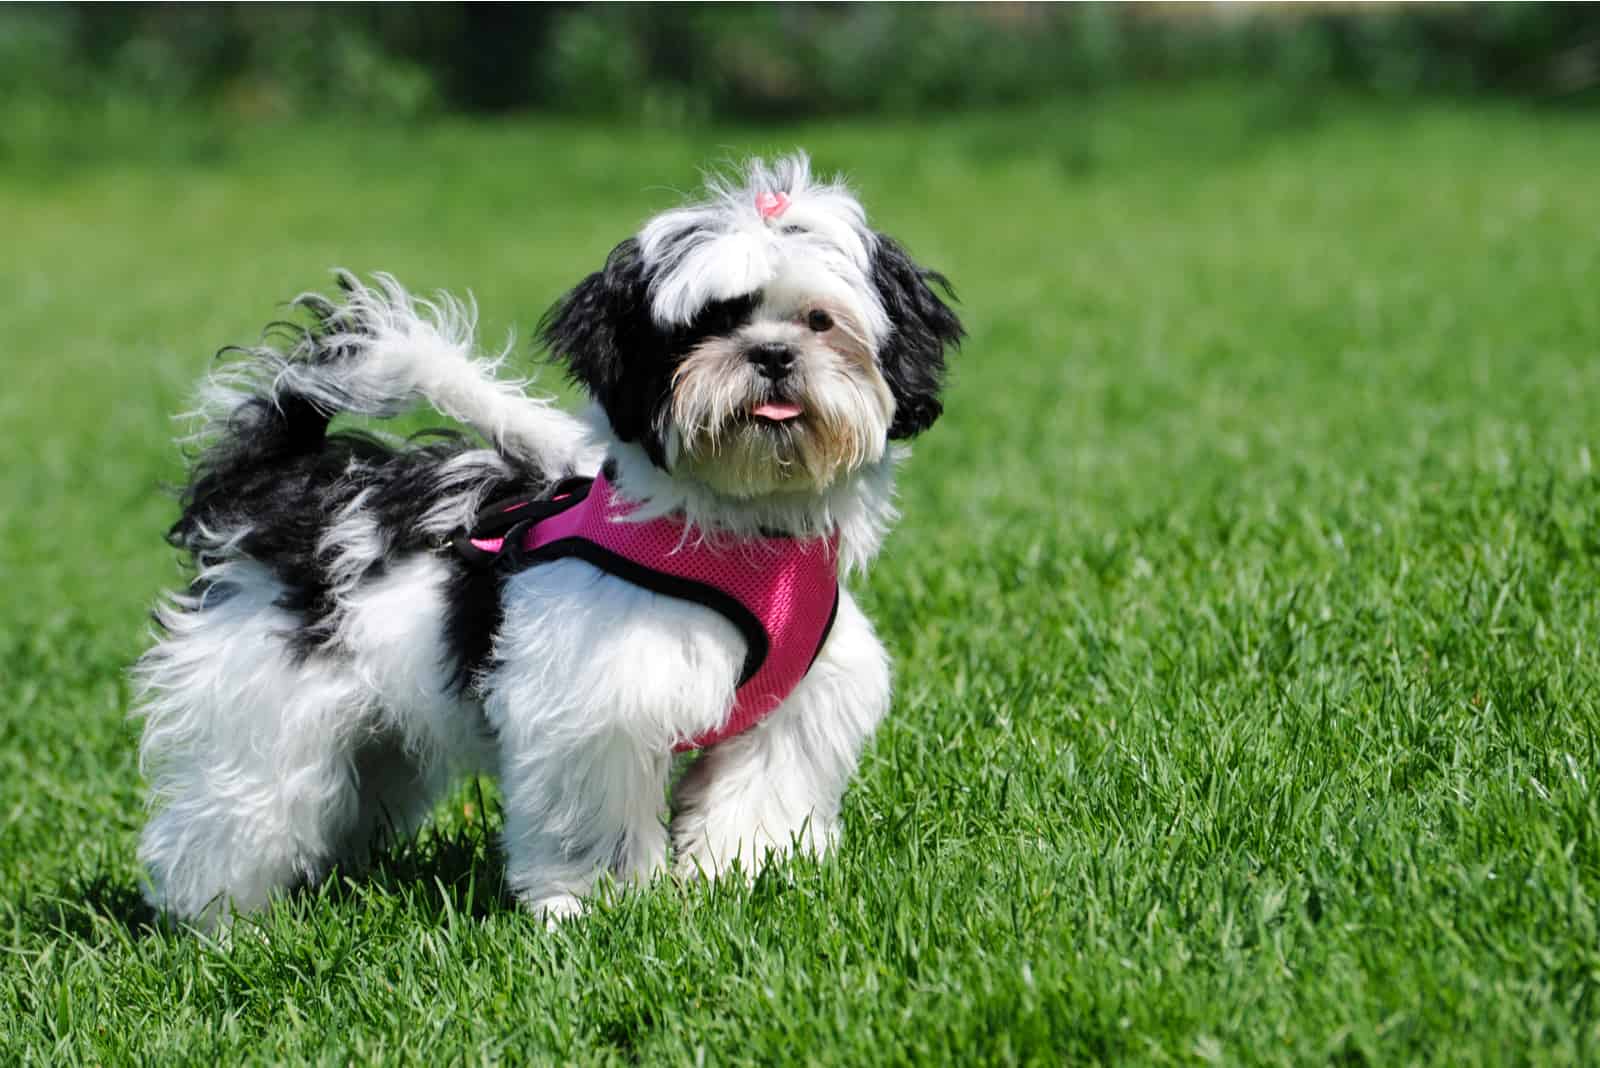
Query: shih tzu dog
{"x": 568, "y": 603}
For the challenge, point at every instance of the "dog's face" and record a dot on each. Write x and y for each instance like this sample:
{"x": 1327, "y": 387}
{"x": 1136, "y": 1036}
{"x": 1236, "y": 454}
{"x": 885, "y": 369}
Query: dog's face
{"x": 764, "y": 341}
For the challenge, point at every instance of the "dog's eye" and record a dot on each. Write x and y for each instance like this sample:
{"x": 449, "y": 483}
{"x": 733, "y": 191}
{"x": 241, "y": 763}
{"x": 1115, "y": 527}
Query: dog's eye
{"x": 819, "y": 321}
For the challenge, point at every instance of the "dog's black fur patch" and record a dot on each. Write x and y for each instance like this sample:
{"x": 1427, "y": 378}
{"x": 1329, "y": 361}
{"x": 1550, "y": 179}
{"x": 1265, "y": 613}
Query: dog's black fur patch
{"x": 603, "y": 332}
{"x": 912, "y": 359}
{"x": 276, "y": 480}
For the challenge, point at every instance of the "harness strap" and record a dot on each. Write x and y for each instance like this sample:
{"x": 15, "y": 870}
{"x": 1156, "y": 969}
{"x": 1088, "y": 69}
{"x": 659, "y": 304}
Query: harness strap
{"x": 506, "y": 537}
{"x": 500, "y": 528}
{"x": 756, "y": 642}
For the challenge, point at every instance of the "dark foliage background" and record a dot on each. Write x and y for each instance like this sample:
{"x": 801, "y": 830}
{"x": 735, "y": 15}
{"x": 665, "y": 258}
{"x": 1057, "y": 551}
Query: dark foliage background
{"x": 678, "y": 64}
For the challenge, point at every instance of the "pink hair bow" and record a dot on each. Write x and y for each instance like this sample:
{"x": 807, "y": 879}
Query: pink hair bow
{"x": 771, "y": 205}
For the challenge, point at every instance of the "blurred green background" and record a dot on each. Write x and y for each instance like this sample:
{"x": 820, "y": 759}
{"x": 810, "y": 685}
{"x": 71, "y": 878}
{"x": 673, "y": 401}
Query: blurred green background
{"x": 680, "y": 64}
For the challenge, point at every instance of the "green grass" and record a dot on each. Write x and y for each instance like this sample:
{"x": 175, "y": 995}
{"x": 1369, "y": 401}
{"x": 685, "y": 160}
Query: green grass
{"x": 1244, "y": 608}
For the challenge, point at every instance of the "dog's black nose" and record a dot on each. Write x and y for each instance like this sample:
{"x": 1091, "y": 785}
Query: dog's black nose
{"x": 772, "y": 358}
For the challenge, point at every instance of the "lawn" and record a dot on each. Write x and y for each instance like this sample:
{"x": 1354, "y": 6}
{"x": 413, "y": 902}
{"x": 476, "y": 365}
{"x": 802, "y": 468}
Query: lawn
{"x": 1245, "y": 606}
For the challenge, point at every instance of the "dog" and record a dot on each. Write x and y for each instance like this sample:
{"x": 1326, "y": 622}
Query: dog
{"x": 369, "y": 619}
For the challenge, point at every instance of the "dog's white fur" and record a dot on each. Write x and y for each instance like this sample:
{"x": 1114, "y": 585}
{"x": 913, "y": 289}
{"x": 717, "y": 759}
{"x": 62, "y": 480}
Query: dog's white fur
{"x": 722, "y": 247}
{"x": 267, "y": 769}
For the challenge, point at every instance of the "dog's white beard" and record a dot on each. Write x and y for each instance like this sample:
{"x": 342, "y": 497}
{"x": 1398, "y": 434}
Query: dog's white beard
{"x": 713, "y": 439}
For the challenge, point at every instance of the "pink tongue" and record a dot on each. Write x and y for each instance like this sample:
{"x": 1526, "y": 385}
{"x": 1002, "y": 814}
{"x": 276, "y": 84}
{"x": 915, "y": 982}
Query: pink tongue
{"x": 778, "y": 413}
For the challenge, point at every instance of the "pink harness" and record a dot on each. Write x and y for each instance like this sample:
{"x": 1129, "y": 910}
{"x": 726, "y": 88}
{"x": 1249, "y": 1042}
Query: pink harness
{"x": 780, "y": 592}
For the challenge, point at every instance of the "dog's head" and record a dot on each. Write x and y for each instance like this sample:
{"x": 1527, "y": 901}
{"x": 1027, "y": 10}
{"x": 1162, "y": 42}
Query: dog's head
{"x": 764, "y": 340}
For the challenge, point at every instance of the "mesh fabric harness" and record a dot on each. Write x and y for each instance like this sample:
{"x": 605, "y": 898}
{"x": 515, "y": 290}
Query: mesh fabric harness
{"x": 781, "y": 593}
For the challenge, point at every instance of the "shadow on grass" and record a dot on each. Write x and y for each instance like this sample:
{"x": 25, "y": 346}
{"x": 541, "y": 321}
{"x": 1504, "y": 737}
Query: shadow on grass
{"x": 457, "y": 869}
{"x": 84, "y": 904}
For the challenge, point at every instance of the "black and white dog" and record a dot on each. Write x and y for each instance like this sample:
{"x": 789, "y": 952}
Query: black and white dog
{"x": 336, "y": 662}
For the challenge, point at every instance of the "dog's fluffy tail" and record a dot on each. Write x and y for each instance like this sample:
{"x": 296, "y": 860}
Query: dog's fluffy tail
{"x": 377, "y": 351}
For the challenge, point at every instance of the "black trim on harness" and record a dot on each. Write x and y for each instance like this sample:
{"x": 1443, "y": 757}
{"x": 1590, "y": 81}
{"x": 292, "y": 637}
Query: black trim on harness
{"x": 755, "y": 635}
{"x": 827, "y": 629}
{"x": 509, "y": 518}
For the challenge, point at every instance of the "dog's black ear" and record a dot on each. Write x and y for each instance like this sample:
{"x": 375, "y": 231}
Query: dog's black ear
{"x": 912, "y": 359}
{"x": 603, "y": 333}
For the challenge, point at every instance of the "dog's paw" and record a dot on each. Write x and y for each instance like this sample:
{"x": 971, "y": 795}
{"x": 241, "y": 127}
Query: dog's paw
{"x": 706, "y": 855}
{"x": 554, "y": 909}
{"x": 699, "y": 858}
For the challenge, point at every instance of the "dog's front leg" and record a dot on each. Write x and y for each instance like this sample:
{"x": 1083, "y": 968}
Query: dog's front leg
{"x": 778, "y": 785}
{"x": 578, "y": 809}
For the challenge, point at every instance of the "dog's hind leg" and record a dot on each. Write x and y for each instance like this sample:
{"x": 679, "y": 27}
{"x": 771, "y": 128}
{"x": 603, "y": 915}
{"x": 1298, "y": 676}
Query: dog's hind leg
{"x": 778, "y": 786}
{"x": 392, "y": 631}
{"x": 250, "y": 752}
